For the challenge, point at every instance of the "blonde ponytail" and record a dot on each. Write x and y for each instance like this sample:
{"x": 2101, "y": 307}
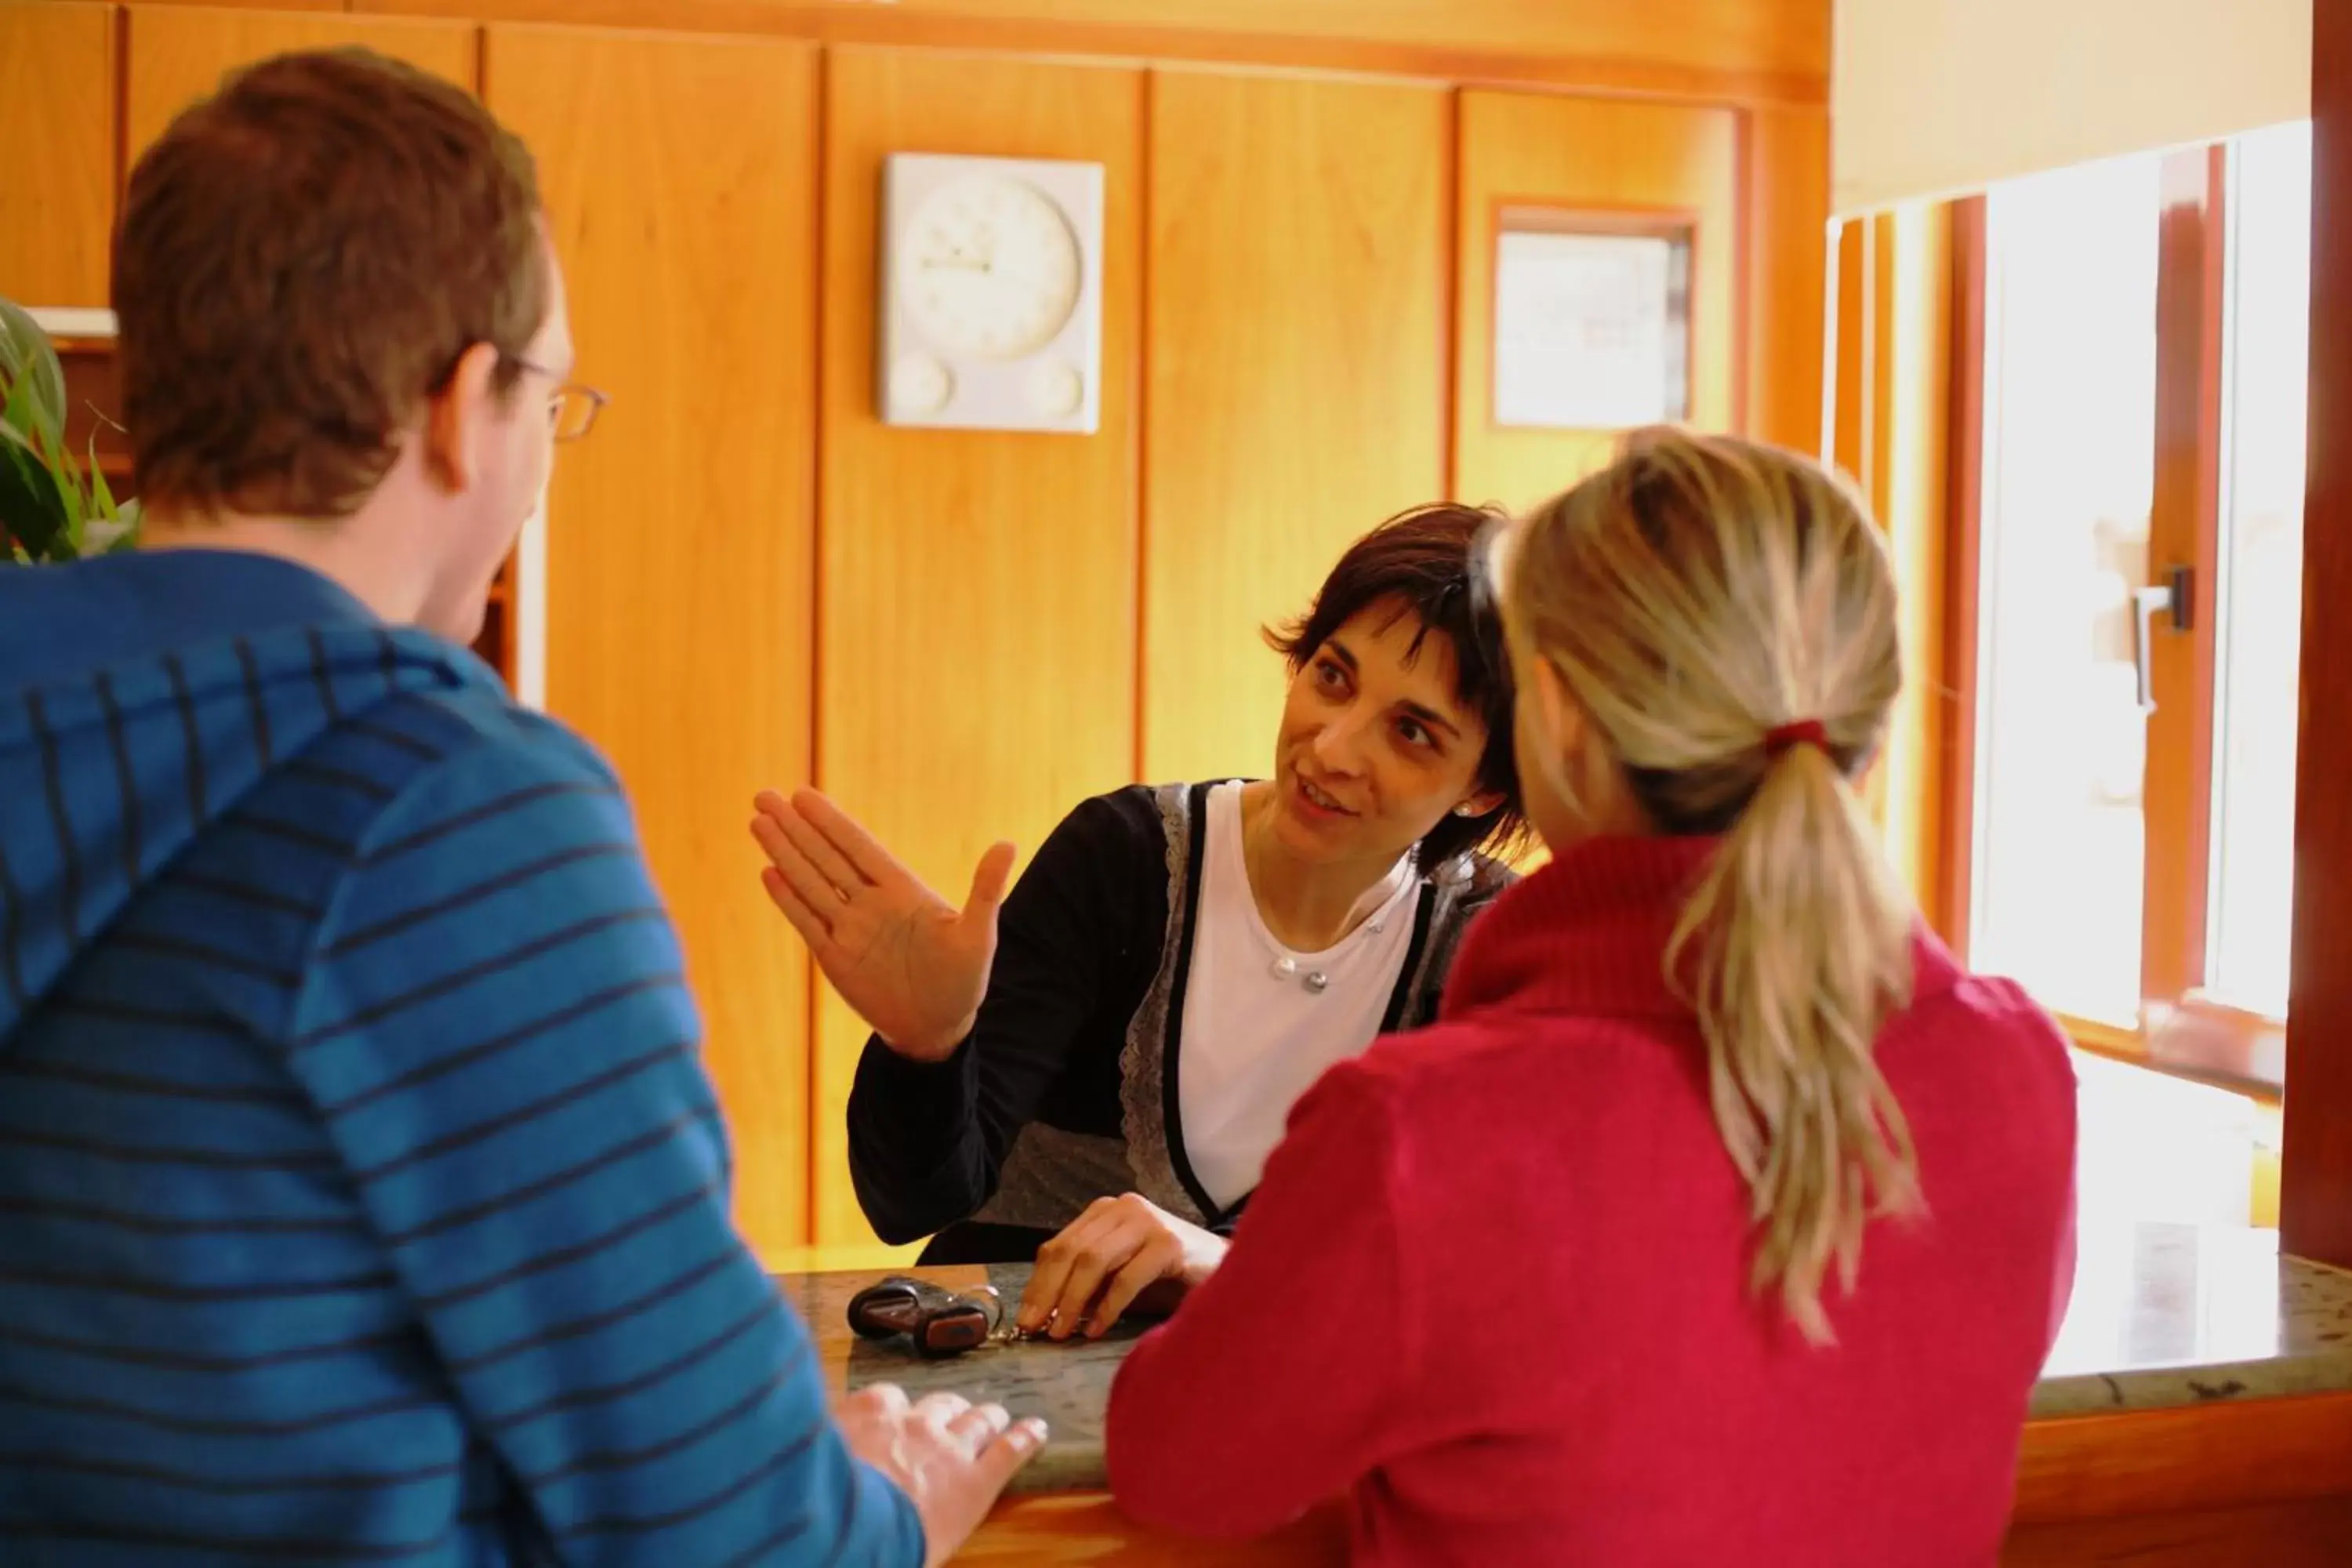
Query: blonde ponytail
{"x": 1723, "y": 615}
{"x": 1796, "y": 945}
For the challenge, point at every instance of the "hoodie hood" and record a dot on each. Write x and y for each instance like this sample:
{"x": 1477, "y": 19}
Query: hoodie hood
{"x": 142, "y": 697}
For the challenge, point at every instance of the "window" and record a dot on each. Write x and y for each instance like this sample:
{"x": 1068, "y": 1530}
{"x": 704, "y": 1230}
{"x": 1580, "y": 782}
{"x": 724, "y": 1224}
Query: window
{"x": 2137, "y": 588}
{"x": 2069, "y": 444}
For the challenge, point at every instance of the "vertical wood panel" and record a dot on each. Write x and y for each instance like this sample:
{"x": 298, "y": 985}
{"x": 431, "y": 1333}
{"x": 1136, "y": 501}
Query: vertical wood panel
{"x": 977, "y": 659}
{"x": 1297, "y": 377}
{"x": 1601, "y": 156}
{"x": 2315, "y": 1171}
{"x": 57, "y": 150}
{"x": 1787, "y": 175}
{"x": 179, "y": 53}
{"x": 679, "y": 176}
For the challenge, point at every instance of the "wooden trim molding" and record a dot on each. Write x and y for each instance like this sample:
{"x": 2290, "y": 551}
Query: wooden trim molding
{"x": 1954, "y": 915}
{"x": 2198, "y": 1038}
{"x": 2314, "y": 1533}
{"x": 1889, "y": 429}
{"x": 2184, "y": 531}
{"x": 2218, "y": 1454}
{"x": 1748, "y": 52}
{"x": 2212, "y": 1042}
{"x": 77, "y": 325}
{"x": 2315, "y": 1175}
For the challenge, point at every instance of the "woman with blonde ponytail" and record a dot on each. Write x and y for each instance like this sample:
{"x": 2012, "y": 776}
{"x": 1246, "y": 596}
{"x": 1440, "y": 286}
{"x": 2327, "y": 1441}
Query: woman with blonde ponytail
{"x": 1723, "y": 1216}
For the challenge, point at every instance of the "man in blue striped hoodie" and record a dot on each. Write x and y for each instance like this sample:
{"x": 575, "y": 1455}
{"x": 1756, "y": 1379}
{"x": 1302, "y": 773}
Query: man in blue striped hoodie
{"x": 360, "y": 1196}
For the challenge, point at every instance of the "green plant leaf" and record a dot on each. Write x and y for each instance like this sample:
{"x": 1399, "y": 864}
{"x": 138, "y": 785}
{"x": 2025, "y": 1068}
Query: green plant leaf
{"x": 31, "y": 506}
{"x": 101, "y": 494}
{"x": 68, "y": 546}
{"x": 22, "y": 413}
{"x": 29, "y": 361}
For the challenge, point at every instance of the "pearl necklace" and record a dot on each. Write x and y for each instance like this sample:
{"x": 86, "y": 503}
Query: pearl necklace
{"x": 1315, "y": 982}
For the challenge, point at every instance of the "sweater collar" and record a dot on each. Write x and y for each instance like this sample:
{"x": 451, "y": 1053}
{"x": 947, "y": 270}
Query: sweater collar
{"x": 1588, "y": 933}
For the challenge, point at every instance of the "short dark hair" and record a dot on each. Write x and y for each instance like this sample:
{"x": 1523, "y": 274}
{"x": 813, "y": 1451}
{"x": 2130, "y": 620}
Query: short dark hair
{"x": 1430, "y": 562}
{"x": 302, "y": 259}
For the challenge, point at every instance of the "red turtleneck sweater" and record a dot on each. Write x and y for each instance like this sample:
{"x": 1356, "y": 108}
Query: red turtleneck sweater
{"x": 1494, "y": 1286}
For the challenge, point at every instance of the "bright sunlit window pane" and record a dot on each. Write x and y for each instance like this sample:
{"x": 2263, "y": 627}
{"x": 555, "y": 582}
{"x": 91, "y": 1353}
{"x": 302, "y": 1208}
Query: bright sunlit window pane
{"x": 2069, "y": 437}
{"x": 2261, "y": 591}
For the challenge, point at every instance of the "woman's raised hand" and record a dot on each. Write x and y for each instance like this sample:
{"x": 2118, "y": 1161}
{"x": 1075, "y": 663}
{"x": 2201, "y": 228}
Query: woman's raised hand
{"x": 913, "y": 966}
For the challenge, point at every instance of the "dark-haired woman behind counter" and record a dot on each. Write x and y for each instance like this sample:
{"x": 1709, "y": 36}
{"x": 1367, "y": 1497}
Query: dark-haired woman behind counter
{"x": 1095, "y": 1078}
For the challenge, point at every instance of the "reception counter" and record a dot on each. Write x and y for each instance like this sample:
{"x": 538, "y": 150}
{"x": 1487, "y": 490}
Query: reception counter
{"x": 2199, "y": 1403}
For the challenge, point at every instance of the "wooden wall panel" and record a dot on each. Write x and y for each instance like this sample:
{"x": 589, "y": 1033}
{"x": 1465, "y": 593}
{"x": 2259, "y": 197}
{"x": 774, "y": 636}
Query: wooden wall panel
{"x": 1297, "y": 377}
{"x": 976, "y": 671}
{"x": 179, "y": 53}
{"x": 1735, "y": 50}
{"x": 1787, "y": 171}
{"x": 680, "y": 181}
{"x": 56, "y": 126}
{"x": 1604, "y": 157}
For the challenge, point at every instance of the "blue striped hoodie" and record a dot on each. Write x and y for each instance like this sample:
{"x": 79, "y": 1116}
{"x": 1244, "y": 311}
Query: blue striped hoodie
{"x": 362, "y": 1198}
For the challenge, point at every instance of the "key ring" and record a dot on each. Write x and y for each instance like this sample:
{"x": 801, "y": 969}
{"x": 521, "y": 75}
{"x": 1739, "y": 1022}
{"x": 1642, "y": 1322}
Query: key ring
{"x": 1001, "y": 1331}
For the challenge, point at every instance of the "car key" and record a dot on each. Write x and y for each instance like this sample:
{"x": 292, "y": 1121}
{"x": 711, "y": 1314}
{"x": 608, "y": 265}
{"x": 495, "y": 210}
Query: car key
{"x": 939, "y": 1321}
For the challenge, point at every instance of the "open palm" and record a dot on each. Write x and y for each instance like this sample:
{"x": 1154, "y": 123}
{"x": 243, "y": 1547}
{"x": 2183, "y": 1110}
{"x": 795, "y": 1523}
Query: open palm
{"x": 913, "y": 965}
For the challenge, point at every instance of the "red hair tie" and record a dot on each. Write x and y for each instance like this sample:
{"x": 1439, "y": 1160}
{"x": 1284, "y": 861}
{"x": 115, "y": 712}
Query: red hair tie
{"x": 1803, "y": 733}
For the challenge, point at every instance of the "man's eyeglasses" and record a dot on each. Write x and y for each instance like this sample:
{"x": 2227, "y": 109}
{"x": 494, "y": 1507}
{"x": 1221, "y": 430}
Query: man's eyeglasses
{"x": 572, "y": 407}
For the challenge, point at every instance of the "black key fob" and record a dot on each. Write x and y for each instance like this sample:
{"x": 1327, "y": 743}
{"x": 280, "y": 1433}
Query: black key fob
{"x": 939, "y": 1322}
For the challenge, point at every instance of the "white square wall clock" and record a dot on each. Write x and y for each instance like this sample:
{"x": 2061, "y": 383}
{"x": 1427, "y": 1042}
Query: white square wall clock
{"x": 991, "y": 278}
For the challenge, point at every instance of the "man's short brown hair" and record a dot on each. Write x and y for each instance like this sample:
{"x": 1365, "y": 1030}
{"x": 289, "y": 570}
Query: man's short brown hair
{"x": 302, "y": 259}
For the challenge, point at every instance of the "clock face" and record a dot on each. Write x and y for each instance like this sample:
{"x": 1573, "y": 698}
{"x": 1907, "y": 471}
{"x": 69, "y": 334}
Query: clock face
{"x": 989, "y": 268}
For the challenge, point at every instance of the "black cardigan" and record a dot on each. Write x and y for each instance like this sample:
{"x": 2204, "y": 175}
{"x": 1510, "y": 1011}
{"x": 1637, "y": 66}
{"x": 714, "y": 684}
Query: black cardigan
{"x": 1067, "y": 1090}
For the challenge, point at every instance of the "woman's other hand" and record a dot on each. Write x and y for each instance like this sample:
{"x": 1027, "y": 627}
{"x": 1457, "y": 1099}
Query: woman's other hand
{"x": 913, "y": 966}
{"x": 1107, "y": 1256}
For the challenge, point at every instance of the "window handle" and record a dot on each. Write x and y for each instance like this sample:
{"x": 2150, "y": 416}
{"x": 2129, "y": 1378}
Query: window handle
{"x": 2176, "y": 597}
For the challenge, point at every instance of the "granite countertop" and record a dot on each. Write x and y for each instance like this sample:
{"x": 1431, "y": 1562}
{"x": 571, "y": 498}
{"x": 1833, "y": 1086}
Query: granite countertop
{"x": 2167, "y": 1315}
{"x": 2162, "y": 1315}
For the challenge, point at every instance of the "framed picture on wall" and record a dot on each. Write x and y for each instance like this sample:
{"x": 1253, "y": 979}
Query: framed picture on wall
{"x": 1592, "y": 321}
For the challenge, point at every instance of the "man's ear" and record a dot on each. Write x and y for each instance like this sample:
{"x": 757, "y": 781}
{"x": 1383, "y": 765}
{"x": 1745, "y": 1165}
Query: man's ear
{"x": 457, "y": 417}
